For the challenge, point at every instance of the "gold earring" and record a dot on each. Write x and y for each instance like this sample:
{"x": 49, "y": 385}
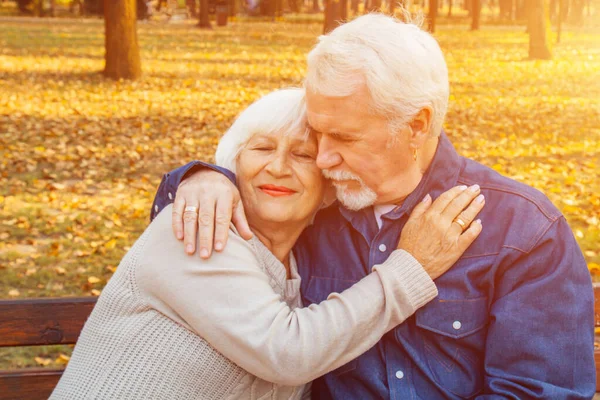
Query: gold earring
{"x": 415, "y": 154}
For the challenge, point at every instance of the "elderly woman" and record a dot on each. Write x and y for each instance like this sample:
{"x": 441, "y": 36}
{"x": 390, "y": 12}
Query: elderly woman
{"x": 173, "y": 326}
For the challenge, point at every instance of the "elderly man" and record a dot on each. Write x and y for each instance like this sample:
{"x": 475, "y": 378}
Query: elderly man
{"x": 514, "y": 316}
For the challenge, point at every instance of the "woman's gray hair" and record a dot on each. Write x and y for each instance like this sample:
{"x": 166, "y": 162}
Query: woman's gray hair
{"x": 282, "y": 111}
{"x": 402, "y": 65}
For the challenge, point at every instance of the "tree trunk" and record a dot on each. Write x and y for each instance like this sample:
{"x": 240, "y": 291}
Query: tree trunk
{"x": 392, "y": 7}
{"x": 561, "y": 17}
{"x": 433, "y": 10}
{"x": 332, "y": 15}
{"x": 279, "y": 8}
{"x": 316, "y": 8}
{"x": 343, "y": 10}
{"x": 120, "y": 38}
{"x": 538, "y": 41}
{"x": 203, "y": 17}
{"x": 476, "y": 13}
{"x": 449, "y": 8}
{"x": 294, "y": 6}
{"x": 354, "y": 6}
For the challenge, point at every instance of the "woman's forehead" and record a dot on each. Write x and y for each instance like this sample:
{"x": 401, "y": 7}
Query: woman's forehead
{"x": 295, "y": 135}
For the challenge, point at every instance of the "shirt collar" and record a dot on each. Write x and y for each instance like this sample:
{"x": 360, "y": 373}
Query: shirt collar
{"x": 441, "y": 175}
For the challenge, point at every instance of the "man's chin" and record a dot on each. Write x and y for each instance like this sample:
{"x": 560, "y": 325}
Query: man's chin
{"x": 355, "y": 200}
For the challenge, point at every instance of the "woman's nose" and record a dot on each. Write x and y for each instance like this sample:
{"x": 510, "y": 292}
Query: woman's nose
{"x": 328, "y": 157}
{"x": 279, "y": 165}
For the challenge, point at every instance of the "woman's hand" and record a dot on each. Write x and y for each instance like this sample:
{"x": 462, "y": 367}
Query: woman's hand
{"x": 438, "y": 234}
{"x": 206, "y": 203}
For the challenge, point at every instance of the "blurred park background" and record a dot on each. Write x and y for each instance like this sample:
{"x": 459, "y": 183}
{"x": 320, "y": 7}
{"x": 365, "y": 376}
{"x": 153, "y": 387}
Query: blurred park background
{"x": 94, "y": 110}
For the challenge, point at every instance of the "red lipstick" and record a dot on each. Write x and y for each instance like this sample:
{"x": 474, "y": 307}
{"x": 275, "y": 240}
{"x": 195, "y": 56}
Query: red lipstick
{"x": 276, "y": 191}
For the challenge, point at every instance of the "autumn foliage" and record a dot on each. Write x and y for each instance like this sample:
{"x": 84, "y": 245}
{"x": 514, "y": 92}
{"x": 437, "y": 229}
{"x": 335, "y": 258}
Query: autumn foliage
{"x": 81, "y": 155}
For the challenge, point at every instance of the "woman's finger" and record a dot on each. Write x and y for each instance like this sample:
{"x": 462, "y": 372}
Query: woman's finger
{"x": 459, "y": 203}
{"x": 177, "y": 216}
{"x": 224, "y": 211}
{"x": 469, "y": 236}
{"x": 445, "y": 198}
{"x": 420, "y": 208}
{"x": 206, "y": 226}
{"x": 240, "y": 221}
{"x": 466, "y": 217}
{"x": 190, "y": 227}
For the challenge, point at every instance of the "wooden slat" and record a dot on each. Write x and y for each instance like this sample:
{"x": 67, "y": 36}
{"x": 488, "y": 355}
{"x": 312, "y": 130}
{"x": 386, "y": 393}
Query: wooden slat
{"x": 43, "y": 321}
{"x": 28, "y": 384}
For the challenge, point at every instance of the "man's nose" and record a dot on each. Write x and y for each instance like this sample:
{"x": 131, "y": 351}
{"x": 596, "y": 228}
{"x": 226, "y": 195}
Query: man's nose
{"x": 279, "y": 165}
{"x": 328, "y": 157}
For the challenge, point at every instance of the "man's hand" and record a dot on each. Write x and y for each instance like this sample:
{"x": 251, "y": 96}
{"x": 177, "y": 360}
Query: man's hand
{"x": 217, "y": 203}
{"x": 438, "y": 234}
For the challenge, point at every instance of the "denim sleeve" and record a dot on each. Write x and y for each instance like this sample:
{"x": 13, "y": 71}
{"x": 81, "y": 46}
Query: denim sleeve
{"x": 540, "y": 342}
{"x": 171, "y": 180}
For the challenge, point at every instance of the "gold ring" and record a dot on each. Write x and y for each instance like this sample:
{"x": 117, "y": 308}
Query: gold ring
{"x": 191, "y": 209}
{"x": 463, "y": 224}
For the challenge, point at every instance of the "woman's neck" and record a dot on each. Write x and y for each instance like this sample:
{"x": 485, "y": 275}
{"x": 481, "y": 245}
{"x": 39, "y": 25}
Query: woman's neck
{"x": 279, "y": 238}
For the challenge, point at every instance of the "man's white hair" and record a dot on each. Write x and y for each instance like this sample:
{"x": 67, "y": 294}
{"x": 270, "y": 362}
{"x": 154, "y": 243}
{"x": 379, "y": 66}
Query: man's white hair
{"x": 282, "y": 111}
{"x": 402, "y": 65}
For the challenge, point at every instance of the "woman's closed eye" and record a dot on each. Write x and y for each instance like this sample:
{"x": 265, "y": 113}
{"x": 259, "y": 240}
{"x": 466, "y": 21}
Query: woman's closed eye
{"x": 263, "y": 148}
{"x": 305, "y": 155}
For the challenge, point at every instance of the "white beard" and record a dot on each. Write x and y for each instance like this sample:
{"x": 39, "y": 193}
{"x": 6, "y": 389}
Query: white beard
{"x": 351, "y": 199}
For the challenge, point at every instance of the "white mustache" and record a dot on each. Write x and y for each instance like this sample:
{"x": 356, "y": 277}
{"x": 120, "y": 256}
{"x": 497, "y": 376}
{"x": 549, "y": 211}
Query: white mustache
{"x": 341, "y": 175}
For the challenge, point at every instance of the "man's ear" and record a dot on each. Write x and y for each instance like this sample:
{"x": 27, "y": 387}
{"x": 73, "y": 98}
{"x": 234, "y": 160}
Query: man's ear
{"x": 420, "y": 126}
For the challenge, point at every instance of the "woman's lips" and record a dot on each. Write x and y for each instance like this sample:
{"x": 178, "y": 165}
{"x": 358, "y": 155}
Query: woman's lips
{"x": 276, "y": 191}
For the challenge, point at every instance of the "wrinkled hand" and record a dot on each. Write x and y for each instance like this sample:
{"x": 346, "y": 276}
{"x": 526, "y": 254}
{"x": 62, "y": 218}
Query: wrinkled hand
{"x": 218, "y": 203}
{"x": 434, "y": 237}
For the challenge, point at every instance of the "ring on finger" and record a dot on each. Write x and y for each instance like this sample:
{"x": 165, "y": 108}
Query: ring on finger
{"x": 461, "y": 223}
{"x": 191, "y": 209}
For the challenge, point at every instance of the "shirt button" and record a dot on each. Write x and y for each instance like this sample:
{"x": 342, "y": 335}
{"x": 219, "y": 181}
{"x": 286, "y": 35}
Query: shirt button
{"x": 155, "y": 208}
{"x": 170, "y": 196}
{"x": 456, "y": 325}
{"x": 399, "y": 374}
{"x": 382, "y": 247}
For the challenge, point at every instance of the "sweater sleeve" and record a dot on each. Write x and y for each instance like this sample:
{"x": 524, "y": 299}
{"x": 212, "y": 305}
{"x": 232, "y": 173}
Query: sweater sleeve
{"x": 228, "y": 301}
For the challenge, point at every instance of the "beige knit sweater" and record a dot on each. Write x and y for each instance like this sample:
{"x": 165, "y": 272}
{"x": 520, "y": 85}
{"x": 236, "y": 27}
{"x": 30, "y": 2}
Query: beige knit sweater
{"x": 172, "y": 326}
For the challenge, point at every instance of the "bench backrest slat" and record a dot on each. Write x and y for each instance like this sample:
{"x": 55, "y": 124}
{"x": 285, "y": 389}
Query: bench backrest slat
{"x": 28, "y": 384}
{"x": 32, "y": 322}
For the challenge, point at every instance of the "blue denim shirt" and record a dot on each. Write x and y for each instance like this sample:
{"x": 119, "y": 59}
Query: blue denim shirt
{"x": 514, "y": 316}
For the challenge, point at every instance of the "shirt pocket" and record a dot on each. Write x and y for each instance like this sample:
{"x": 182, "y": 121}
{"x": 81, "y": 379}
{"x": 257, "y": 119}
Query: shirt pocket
{"x": 453, "y": 343}
{"x": 317, "y": 291}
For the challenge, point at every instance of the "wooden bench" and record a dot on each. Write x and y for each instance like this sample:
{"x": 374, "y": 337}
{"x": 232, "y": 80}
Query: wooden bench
{"x": 34, "y": 322}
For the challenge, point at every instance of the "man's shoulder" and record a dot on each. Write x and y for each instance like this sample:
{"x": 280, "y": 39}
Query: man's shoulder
{"x": 510, "y": 192}
{"x": 516, "y": 212}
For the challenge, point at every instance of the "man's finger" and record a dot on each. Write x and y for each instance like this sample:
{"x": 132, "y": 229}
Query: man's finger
{"x": 224, "y": 211}
{"x": 190, "y": 227}
{"x": 240, "y": 221}
{"x": 177, "y": 217}
{"x": 206, "y": 226}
